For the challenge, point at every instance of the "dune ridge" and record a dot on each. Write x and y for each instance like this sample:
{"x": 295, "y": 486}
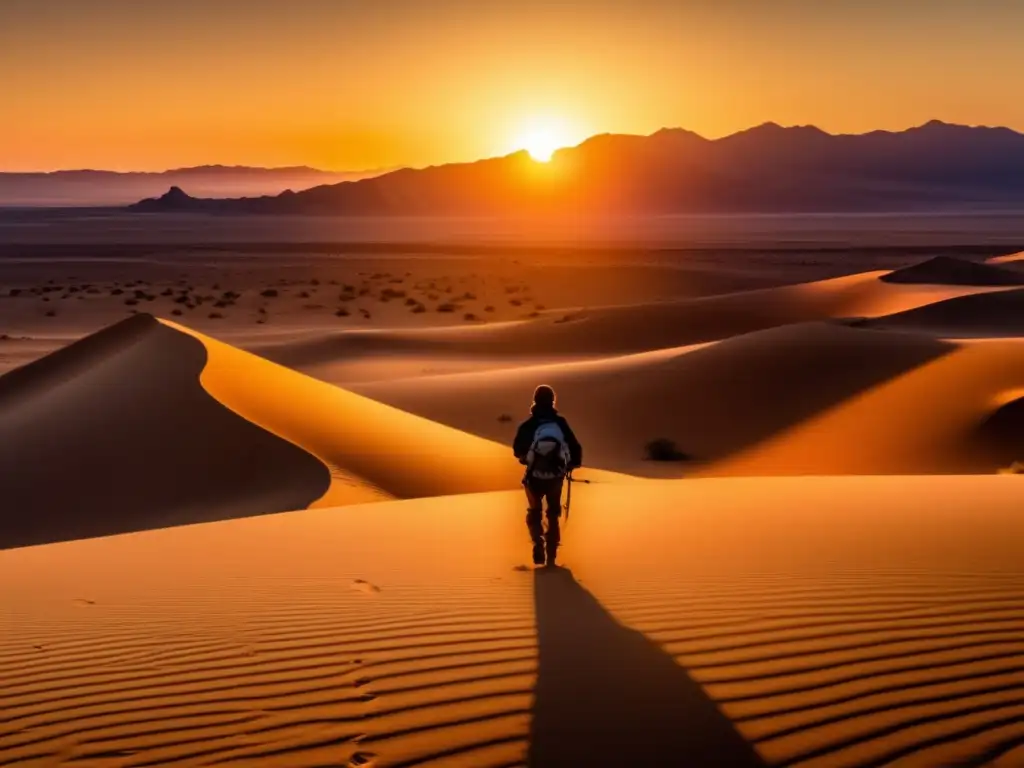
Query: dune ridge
{"x": 947, "y": 416}
{"x": 713, "y": 401}
{"x": 67, "y": 419}
{"x": 947, "y": 270}
{"x": 368, "y": 445}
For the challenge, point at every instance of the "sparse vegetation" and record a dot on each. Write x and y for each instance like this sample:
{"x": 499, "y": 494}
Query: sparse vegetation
{"x": 446, "y": 307}
{"x": 504, "y": 418}
{"x": 663, "y": 449}
{"x": 342, "y": 312}
{"x": 216, "y": 316}
{"x": 469, "y": 316}
{"x": 176, "y": 311}
{"x": 489, "y": 308}
{"x": 269, "y": 293}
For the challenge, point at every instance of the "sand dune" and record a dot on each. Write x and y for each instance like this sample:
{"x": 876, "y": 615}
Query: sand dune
{"x": 369, "y": 447}
{"x": 712, "y": 401}
{"x": 149, "y": 424}
{"x": 980, "y": 315}
{"x": 114, "y": 433}
{"x": 955, "y": 414}
{"x": 348, "y": 356}
{"x": 946, "y": 270}
{"x": 1006, "y": 259}
{"x": 812, "y": 621}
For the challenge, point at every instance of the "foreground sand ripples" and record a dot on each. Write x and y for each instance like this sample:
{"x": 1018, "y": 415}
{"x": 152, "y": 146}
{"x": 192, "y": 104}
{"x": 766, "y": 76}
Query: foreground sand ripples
{"x": 836, "y": 626}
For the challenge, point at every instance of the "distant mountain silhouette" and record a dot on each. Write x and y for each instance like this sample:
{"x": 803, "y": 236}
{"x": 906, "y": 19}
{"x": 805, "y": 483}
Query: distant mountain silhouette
{"x": 767, "y": 169}
{"x": 111, "y": 188}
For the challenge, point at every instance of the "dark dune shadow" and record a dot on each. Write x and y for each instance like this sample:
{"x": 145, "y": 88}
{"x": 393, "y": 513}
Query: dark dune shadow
{"x": 607, "y": 695}
{"x": 115, "y": 433}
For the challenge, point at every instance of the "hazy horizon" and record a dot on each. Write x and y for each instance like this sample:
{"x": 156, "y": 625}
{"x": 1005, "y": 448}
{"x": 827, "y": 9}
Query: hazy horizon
{"x": 347, "y": 86}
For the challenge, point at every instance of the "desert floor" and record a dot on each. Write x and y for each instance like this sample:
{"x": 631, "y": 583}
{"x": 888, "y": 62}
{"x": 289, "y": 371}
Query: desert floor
{"x": 257, "y": 504}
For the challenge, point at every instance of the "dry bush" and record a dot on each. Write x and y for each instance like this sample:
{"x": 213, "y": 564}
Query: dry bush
{"x": 663, "y": 449}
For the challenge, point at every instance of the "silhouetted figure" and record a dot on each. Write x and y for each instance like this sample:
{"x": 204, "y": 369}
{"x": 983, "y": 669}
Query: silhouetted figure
{"x": 546, "y": 445}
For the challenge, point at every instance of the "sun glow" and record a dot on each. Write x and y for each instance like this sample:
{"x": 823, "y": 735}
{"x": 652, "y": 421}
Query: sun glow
{"x": 542, "y": 138}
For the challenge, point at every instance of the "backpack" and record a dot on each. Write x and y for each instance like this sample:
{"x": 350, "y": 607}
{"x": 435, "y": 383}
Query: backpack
{"x": 548, "y": 456}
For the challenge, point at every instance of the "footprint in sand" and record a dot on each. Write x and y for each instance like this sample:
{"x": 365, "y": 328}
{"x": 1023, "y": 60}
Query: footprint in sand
{"x": 364, "y": 586}
{"x": 520, "y": 568}
{"x": 362, "y": 760}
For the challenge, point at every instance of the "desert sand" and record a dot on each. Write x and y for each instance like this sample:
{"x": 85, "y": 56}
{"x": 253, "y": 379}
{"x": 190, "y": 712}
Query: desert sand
{"x": 293, "y": 537}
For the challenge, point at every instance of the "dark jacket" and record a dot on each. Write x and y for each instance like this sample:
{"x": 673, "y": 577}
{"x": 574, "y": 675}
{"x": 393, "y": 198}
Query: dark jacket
{"x": 539, "y": 415}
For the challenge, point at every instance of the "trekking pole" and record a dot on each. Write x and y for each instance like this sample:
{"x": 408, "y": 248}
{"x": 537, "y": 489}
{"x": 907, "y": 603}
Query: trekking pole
{"x": 568, "y": 497}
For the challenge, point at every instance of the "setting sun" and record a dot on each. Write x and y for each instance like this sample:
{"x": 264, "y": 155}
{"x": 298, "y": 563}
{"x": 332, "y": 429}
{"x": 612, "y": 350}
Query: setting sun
{"x": 542, "y": 138}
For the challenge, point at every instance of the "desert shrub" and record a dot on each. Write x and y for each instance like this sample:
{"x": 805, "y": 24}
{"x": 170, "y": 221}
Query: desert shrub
{"x": 365, "y": 313}
{"x": 467, "y": 296}
{"x": 314, "y": 281}
{"x": 116, "y": 291}
{"x": 433, "y": 296}
{"x": 303, "y": 294}
{"x": 269, "y": 293}
{"x": 183, "y": 299}
{"x": 342, "y": 312}
{"x": 14, "y": 292}
{"x": 167, "y": 292}
{"x": 539, "y": 307}
{"x": 470, "y": 316}
{"x": 418, "y": 309}
{"x": 504, "y": 418}
{"x": 515, "y": 302}
{"x": 131, "y": 302}
{"x": 176, "y": 311}
{"x": 220, "y": 303}
{"x": 51, "y": 313}
{"x": 391, "y": 293}
{"x": 411, "y": 302}
{"x": 663, "y": 449}
{"x": 446, "y": 307}
{"x": 216, "y": 316}
{"x": 489, "y": 308}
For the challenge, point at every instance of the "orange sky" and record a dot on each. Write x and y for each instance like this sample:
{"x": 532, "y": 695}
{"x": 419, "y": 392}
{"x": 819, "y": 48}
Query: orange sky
{"x": 357, "y": 84}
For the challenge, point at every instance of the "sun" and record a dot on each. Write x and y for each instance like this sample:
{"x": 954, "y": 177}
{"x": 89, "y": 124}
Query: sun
{"x": 541, "y": 146}
{"x": 542, "y": 138}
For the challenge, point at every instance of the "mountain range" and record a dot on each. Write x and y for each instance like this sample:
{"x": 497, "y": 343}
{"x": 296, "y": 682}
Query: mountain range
{"x": 113, "y": 188}
{"x": 768, "y": 169}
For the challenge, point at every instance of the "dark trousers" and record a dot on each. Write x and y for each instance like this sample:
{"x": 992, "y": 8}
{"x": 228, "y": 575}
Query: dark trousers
{"x": 536, "y": 492}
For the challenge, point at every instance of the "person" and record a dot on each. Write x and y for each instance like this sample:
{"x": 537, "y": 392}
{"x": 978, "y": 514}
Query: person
{"x": 547, "y": 447}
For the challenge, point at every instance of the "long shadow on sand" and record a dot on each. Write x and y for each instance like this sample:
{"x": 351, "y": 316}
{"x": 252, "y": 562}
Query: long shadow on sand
{"x": 606, "y": 695}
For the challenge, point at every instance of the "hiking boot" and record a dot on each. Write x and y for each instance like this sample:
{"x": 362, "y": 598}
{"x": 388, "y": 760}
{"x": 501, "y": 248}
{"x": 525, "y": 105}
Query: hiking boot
{"x": 538, "y": 554}
{"x": 552, "y": 553}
